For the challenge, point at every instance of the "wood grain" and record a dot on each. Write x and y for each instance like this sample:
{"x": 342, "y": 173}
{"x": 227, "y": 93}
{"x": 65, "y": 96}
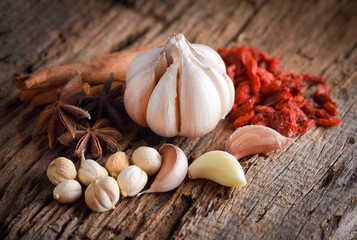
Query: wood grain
{"x": 306, "y": 191}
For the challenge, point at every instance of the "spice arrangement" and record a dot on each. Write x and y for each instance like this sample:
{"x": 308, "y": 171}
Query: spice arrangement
{"x": 177, "y": 89}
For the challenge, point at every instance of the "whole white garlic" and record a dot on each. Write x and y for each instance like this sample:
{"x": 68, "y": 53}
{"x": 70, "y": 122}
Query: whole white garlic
{"x": 90, "y": 170}
{"x": 67, "y": 191}
{"x": 131, "y": 181}
{"x": 102, "y": 194}
{"x": 148, "y": 159}
{"x": 178, "y": 89}
{"x": 61, "y": 169}
{"x": 116, "y": 163}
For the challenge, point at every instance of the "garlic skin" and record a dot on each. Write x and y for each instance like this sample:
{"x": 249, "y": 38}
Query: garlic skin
{"x": 116, "y": 163}
{"x": 131, "y": 181}
{"x": 102, "y": 194}
{"x": 253, "y": 139}
{"x": 173, "y": 170}
{"x": 61, "y": 169}
{"x": 90, "y": 170}
{"x": 220, "y": 167}
{"x": 148, "y": 159}
{"x": 178, "y": 89}
{"x": 67, "y": 191}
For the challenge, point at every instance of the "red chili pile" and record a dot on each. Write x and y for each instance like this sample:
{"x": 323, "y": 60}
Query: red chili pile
{"x": 267, "y": 96}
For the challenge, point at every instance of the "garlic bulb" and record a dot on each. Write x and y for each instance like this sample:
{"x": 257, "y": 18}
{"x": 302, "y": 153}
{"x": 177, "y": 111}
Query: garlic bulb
{"x": 131, "y": 181}
{"x": 253, "y": 139}
{"x": 61, "y": 169}
{"x": 220, "y": 167}
{"x": 102, "y": 194}
{"x": 67, "y": 191}
{"x": 90, "y": 170}
{"x": 116, "y": 163}
{"x": 173, "y": 170}
{"x": 148, "y": 159}
{"x": 178, "y": 89}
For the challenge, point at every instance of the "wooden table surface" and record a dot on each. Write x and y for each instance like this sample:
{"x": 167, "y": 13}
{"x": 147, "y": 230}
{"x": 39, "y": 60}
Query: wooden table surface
{"x": 306, "y": 191}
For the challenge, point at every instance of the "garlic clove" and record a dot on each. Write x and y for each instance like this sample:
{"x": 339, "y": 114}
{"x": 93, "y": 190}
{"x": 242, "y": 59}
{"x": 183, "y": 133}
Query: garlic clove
{"x": 231, "y": 91}
{"x": 102, "y": 194}
{"x": 209, "y": 57}
{"x": 222, "y": 87}
{"x": 140, "y": 84}
{"x": 116, "y": 163}
{"x": 144, "y": 61}
{"x": 61, "y": 169}
{"x": 173, "y": 170}
{"x": 162, "y": 111}
{"x": 148, "y": 159}
{"x": 131, "y": 181}
{"x": 253, "y": 139}
{"x": 200, "y": 108}
{"x": 67, "y": 191}
{"x": 137, "y": 94}
{"x": 90, "y": 170}
{"x": 220, "y": 167}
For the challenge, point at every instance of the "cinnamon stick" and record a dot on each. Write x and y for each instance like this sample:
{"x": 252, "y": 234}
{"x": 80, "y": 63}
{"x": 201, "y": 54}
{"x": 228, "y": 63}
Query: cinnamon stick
{"x": 50, "y": 95}
{"x": 94, "y": 71}
{"x": 27, "y": 94}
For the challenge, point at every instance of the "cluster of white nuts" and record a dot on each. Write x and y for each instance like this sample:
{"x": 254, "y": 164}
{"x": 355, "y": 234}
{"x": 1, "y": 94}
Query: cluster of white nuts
{"x": 104, "y": 184}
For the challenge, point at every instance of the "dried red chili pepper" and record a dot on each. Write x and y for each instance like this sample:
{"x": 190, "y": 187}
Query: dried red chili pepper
{"x": 328, "y": 122}
{"x": 322, "y": 90}
{"x": 274, "y": 65}
{"x": 243, "y": 120}
{"x": 263, "y": 109}
{"x": 330, "y": 108}
{"x": 312, "y": 78}
{"x": 259, "y": 119}
{"x": 321, "y": 99}
{"x": 243, "y": 92}
{"x": 242, "y": 109}
{"x": 321, "y": 113}
{"x": 271, "y": 87}
{"x": 305, "y": 126}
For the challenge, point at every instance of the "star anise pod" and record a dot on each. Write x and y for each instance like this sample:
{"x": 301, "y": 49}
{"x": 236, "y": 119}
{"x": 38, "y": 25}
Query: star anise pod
{"x": 62, "y": 114}
{"x": 94, "y": 138}
{"x": 107, "y": 104}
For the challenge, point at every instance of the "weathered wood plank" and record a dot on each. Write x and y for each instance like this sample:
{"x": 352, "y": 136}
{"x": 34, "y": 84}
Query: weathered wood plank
{"x": 306, "y": 191}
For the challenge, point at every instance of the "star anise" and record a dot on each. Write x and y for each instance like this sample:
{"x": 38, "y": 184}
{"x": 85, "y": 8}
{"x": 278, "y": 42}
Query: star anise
{"x": 93, "y": 138}
{"x": 62, "y": 114}
{"x": 107, "y": 104}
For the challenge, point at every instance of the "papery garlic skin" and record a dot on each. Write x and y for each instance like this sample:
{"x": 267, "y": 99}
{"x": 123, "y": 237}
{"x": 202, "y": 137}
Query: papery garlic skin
{"x": 253, "y": 139}
{"x": 90, "y": 170}
{"x": 116, "y": 163}
{"x": 131, "y": 181}
{"x": 220, "y": 167}
{"x": 178, "y": 89}
{"x": 102, "y": 194}
{"x": 173, "y": 170}
{"x": 148, "y": 159}
{"x": 67, "y": 191}
{"x": 61, "y": 169}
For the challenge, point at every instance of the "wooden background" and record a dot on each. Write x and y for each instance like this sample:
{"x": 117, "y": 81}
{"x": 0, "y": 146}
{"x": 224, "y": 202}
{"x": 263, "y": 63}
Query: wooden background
{"x": 307, "y": 191}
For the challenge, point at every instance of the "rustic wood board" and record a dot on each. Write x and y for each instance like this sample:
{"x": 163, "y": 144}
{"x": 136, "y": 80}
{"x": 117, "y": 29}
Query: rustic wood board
{"x": 307, "y": 191}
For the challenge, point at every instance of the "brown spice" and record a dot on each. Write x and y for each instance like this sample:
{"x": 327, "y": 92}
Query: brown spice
{"x": 93, "y": 139}
{"x": 94, "y": 71}
{"x": 107, "y": 104}
{"x": 62, "y": 114}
